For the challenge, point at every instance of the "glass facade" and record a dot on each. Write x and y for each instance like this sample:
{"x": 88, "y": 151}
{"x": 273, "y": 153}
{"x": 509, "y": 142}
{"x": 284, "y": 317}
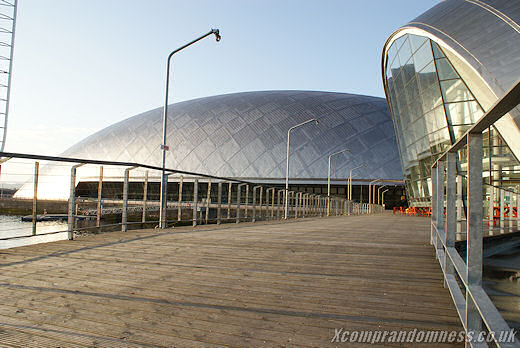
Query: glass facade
{"x": 432, "y": 107}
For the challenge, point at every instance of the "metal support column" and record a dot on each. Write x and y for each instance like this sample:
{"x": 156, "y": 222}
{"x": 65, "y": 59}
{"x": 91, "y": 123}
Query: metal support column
{"x": 474, "y": 228}
{"x": 502, "y": 212}
{"x": 451, "y": 211}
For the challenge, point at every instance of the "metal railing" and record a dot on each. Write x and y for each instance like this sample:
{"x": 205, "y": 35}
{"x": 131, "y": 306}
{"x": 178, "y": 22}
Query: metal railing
{"x": 126, "y": 195}
{"x": 463, "y": 277}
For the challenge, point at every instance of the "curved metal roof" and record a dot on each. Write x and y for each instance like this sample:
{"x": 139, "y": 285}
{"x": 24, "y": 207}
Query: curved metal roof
{"x": 244, "y": 135}
{"x": 484, "y": 33}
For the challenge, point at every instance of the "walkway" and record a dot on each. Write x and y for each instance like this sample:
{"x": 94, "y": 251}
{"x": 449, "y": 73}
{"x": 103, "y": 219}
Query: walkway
{"x": 264, "y": 284}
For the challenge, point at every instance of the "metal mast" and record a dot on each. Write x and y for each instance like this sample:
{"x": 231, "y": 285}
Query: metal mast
{"x": 7, "y": 30}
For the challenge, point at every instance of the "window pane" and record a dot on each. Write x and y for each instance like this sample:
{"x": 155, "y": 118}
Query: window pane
{"x": 455, "y": 90}
{"x": 463, "y": 113}
{"x": 445, "y": 70}
{"x": 416, "y": 41}
{"x": 405, "y": 52}
{"x": 427, "y": 76}
{"x": 437, "y": 52}
{"x": 423, "y": 57}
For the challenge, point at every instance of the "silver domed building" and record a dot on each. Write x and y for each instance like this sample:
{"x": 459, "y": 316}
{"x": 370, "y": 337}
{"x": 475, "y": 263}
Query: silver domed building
{"x": 442, "y": 72}
{"x": 244, "y": 136}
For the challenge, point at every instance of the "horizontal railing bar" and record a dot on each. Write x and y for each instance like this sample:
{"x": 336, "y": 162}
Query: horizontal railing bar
{"x": 490, "y": 314}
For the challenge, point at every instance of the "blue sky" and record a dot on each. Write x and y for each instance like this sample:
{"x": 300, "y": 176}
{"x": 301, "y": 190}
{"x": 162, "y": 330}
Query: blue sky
{"x": 81, "y": 65}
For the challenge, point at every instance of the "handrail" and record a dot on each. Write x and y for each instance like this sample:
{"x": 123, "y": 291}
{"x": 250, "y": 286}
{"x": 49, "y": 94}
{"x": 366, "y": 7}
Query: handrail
{"x": 198, "y": 206}
{"x": 475, "y": 308}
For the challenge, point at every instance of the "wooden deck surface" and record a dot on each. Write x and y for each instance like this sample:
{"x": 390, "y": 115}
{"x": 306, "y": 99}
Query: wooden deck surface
{"x": 264, "y": 284}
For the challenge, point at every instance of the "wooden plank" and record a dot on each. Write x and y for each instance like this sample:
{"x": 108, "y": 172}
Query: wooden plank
{"x": 248, "y": 284}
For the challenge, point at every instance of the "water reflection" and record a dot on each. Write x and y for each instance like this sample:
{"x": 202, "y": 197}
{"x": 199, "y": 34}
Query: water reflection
{"x": 12, "y": 226}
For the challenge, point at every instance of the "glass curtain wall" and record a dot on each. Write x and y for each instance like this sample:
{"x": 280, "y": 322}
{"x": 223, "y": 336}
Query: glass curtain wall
{"x": 432, "y": 107}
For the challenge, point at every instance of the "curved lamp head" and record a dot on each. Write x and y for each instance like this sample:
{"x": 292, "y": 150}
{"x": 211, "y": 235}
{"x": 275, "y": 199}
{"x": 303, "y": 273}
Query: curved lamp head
{"x": 317, "y": 122}
{"x": 217, "y": 34}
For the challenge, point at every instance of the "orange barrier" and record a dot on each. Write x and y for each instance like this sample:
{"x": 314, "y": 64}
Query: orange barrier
{"x": 413, "y": 211}
{"x": 507, "y": 210}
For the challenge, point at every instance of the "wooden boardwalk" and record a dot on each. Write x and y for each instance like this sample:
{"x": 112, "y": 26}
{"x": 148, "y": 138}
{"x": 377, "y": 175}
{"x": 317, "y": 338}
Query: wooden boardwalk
{"x": 264, "y": 284}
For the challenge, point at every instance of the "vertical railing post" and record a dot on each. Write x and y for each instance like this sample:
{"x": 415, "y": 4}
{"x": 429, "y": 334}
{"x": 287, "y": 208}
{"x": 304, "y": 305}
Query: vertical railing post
{"x": 502, "y": 213}
{"x": 247, "y": 202}
{"x": 195, "y": 201}
{"x": 219, "y": 203}
{"x": 179, "y": 200}
{"x": 35, "y": 198}
{"x": 474, "y": 228}
{"x": 434, "y": 203}
{"x": 451, "y": 210}
{"x": 491, "y": 210}
{"x": 124, "y": 215}
{"x": 208, "y": 201}
{"x": 145, "y": 197}
{"x": 229, "y": 201}
{"x": 239, "y": 198}
{"x": 278, "y": 205}
{"x": 99, "y": 198}
{"x": 254, "y": 203}
{"x": 518, "y": 208}
{"x": 510, "y": 211}
{"x": 260, "y": 202}
{"x": 72, "y": 201}
{"x": 440, "y": 205}
{"x": 272, "y": 203}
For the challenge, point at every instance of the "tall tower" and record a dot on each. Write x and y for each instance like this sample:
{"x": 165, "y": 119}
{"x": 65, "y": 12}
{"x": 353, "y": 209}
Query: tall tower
{"x": 7, "y": 30}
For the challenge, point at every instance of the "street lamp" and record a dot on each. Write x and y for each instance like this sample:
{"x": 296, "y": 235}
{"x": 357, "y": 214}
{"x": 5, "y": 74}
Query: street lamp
{"x": 370, "y": 194}
{"x": 287, "y": 164}
{"x": 378, "y": 190}
{"x": 383, "y": 197}
{"x": 328, "y": 179}
{"x": 350, "y": 181}
{"x": 164, "y": 147}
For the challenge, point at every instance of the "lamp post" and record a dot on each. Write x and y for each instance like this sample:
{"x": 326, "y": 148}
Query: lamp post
{"x": 287, "y": 164}
{"x": 350, "y": 181}
{"x": 378, "y": 191}
{"x": 383, "y": 197}
{"x": 328, "y": 179}
{"x": 370, "y": 194}
{"x": 164, "y": 147}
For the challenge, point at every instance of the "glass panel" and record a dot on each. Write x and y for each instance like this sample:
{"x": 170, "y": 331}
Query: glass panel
{"x": 431, "y": 97}
{"x": 445, "y": 69}
{"x": 417, "y": 41}
{"x": 437, "y": 52}
{"x": 408, "y": 71}
{"x": 455, "y": 90}
{"x": 405, "y": 52}
{"x": 427, "y": 76}
{"x": 463, "y": 113}
{"x": 423, "y": 57}
{"x": 459, "y": 131}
